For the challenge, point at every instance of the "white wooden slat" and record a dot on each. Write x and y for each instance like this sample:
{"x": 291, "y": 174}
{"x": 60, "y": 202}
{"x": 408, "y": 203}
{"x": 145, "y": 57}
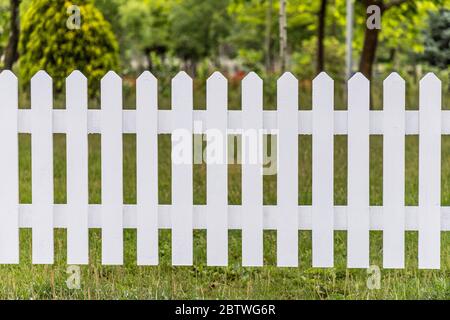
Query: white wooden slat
{"x": 77, "y": 169}
{"x": 147, "y": 169}
{"x": 429, "y": 172}
{"x": 112, "y": 170}
{"x": 217, "y": 171}
{"x": 322, "y": 172}
{"x": 182, "y": 175}
{"x": 287, "y": 185}
{"x": 252, "y": 188}
{"x": 42, "y": 168}
{"x": 9, "y": 169}
{"x": 394, "y": 172}
{"x": 358, "y": 172}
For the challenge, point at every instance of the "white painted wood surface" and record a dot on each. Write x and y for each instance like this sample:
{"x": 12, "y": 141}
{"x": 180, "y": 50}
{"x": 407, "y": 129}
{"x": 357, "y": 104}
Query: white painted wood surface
{"x": 429, "y": 172}
{"x": 287, "y": 184}
{"x": 147, "y": 169}
{"x": 77, "y": 169}
{"x": 322, "y": 172}
{"x": 182, "y": 188}
{"x": 112, "y": 170}
{"x": 394, "y": 172}
{"x": 217, "y": 171}
{"x": 358, "y": 173}
{"x": 252, "y": 187}
{"x": 9, "y": 169}
{"x": 42, "y": 168}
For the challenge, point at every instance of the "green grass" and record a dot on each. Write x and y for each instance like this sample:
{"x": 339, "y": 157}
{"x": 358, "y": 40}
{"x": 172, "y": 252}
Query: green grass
{"x": 27, "y": 281}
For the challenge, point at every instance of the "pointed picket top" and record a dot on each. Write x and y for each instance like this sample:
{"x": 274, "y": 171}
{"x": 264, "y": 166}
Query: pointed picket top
{"x": 287, "y": 92}
{"x": 217, "y": 92}
{"x": 323, "y": 77}
{"x": 76, "y": 91}
{"x": 8, "y": 84}
{"x": 217, "y": 76}
{"x": 7, "y": 75}
{"x": 146, "y": 76}
{"x": 41, "y": 77}
{"x": 252, "y": 77}
{"x": 358, "y": 77}
{"x": 252, "y": 92}
{"x": 182, "y": 92}
{"x": 286, "y": 78}
{"x": 41, "y": 91}
{"x": 430, "y": 78}
{"x": 394, "y": 78}
{"x": 146, "y": 92}
{"x": 111, "y": 76}
{"x": 76, "y": 77}
{"x": 357, "y": 85}
{"x": 430, "y": 92}
{"x": 181, "y": 77}
{"x": 394, "y": 93}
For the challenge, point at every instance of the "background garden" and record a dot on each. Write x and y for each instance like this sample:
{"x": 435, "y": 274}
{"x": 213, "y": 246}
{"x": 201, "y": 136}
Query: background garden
{"x": 234, "y": 37}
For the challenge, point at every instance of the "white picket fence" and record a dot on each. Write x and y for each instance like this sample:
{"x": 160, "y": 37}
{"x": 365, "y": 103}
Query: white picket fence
{"x": 217, "y": 217}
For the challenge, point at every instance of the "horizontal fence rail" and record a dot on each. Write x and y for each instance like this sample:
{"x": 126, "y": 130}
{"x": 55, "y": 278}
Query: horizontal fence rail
{"x": 234, "y": 120}
{"x": 322, "y": 217}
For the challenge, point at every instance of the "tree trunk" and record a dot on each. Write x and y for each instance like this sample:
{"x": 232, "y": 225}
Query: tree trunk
{"x": 369, "y": 52}
{"x": 283, "y": 36}
{"x": 321, "y": 37}
{"x": 148, "y": 58}
{"x": 371, "y": 37}
{"x": 11, "y": 51}
{"x": 268, "y": 43}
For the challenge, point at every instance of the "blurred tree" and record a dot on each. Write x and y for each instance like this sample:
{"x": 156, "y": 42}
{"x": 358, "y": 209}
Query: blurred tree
{"x": 249, "y": 28}
{"x": 47, "y": 43}
{"x": 400, "y": 23}
{"x": 11, "y": 51}
{"x": 4, "y": 27}
{"x": 321, "y": 36}
{"x": 268, "y": 51}
{"x": 437, "y": 43}
{"x": 147, "y": 26}
{"x": 198, "y": 29}
{"x": 283, "y": 35}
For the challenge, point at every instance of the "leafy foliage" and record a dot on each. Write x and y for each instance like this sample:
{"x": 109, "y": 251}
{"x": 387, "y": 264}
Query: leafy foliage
{"x": 4, "y": 25}
{"x": 437, "y": 45}
{"x": 46, "y": 43}
{"x": 198, "y": 27}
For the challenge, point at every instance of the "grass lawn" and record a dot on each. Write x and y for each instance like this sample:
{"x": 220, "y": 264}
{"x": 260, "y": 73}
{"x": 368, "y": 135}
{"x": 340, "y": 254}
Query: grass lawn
{"x": 27, "y": 281}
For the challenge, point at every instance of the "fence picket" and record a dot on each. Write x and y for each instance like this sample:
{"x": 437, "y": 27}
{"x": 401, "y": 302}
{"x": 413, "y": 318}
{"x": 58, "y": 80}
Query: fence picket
{"x": 394, "y": 172}
{"x": 429, "y": 172}
{"x": 147, "y": 169}
{"x": 182, "y": 189}
{"x": 358, "y": 172}
{"x": 9, "y": 169}
{"x": 287, "y": 185}
{"x": 112, "y": 170}
{"x": 42, "y": 168}
{"x": 77, "y": 169}
{"x": 322, "y": 172}
{"x": 217, "y": 171}
{"x": 252, "y": 189}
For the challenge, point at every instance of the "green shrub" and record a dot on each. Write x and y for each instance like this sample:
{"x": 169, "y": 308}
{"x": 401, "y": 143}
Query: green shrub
{"x": 47, "y": 43}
